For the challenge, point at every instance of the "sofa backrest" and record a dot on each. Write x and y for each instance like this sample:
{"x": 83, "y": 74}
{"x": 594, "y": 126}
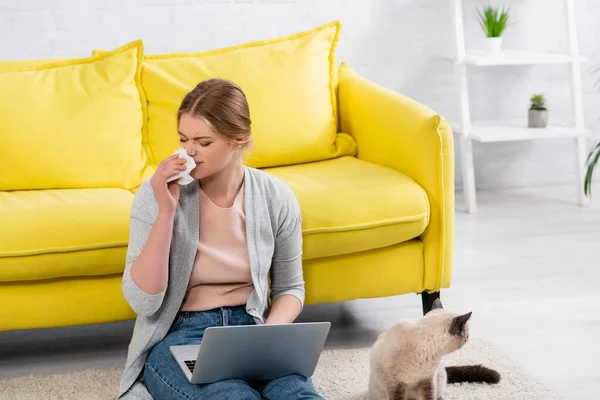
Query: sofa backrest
{"x": 290, "y": 83}
{"x": 73, "y": 123}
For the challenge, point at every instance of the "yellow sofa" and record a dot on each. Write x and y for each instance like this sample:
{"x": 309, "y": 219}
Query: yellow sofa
{"x": 372, "y": 170}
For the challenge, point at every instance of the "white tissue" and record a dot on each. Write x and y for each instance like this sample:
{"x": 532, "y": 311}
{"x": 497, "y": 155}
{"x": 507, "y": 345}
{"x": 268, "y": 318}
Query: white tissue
{"x": 184, "y": 176}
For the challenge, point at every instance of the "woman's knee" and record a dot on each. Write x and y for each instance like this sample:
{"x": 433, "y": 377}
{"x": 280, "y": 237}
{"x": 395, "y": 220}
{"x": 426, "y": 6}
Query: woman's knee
{"x": 290, "y": 386}
{"x": 230, "y": 389}
{"x": 161, "y": 386}
{"x": 162, "y": 375}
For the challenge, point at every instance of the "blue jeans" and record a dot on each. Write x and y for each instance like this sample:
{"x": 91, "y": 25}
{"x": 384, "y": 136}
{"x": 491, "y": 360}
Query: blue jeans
{"x": 165, "y": 380}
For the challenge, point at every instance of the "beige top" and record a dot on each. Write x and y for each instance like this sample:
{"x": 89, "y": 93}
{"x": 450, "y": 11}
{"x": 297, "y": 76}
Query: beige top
{"x": 221, "y": 272}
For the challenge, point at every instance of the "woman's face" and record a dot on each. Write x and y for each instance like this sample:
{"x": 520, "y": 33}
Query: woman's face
{"x": 211, "y": 152}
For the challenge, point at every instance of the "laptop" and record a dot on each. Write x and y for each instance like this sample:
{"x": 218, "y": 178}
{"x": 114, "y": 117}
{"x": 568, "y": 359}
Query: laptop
{"x": 253, "y": 352}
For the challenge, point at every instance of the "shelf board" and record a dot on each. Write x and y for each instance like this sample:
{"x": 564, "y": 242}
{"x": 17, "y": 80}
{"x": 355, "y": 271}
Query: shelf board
{"x": 518, "y": 57}
{"x": 517, "y": 130}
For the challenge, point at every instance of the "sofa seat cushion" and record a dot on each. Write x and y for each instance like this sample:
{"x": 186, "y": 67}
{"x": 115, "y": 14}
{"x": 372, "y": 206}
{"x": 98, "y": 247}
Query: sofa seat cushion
{"x": 349, "y": 205}
{"x": 62, "y": 233}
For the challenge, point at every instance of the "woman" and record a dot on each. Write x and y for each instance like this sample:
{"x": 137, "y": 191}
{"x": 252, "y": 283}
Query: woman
{"x": 200, "y": 255}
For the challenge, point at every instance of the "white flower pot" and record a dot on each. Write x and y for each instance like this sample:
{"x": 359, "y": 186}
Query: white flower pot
{"x": 493, "y": 45}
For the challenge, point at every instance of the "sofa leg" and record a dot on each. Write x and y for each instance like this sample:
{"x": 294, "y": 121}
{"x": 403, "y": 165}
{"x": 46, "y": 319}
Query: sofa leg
{"x": 427, "y": 299}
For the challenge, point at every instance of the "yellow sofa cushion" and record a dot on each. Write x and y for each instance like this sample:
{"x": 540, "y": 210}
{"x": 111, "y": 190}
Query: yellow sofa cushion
{"x": 74, "y": 123}
{"x": 60, "y": 233}
{"x": 290, "y": 83}
{"x": 349, "y": 205}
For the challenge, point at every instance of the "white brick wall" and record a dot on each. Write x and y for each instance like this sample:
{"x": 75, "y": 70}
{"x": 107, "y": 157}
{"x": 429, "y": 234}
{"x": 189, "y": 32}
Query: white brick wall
{"x": 396, "y": 43}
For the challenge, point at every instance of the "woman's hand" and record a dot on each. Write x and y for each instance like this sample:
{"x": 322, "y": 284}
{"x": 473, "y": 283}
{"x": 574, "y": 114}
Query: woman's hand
{"x": 167, "y": 194}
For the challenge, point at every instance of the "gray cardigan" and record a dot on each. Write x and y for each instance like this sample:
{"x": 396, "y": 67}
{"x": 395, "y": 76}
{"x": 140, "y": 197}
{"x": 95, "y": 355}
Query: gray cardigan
{"x": 274, "y": 233}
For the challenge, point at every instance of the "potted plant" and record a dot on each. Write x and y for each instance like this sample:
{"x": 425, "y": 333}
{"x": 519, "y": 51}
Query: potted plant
{"x": 493, "y": 21}
{"x": 538, "y": 113}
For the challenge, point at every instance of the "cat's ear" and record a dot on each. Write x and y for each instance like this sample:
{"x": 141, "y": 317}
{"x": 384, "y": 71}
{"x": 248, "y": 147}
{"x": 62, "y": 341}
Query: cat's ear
{"x": 458, "y": 324}
{"x": 437, "y": 304}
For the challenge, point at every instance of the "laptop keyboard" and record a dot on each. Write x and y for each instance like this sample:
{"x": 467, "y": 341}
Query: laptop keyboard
{"x": 190, "y": 364}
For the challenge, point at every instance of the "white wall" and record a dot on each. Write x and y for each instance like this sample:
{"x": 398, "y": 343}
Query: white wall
{"x": 396, "y": 43}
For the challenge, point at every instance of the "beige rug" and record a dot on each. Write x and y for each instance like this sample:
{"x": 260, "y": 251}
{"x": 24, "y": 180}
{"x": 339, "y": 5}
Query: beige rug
{"x": 341, "y": 374}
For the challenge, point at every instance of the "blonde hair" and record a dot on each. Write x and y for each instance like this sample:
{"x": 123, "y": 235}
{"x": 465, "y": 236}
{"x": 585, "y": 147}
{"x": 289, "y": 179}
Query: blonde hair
{"x": 223, "y": 104}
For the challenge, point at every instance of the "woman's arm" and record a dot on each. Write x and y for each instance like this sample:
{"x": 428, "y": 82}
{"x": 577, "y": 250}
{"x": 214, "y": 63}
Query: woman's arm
{"x": 285, "y": 309}
{"x": 150, "y": 231}
{"x": 147, "y": 262}
{"x": 287, "y": 281}
{"x": 150, "y": 270}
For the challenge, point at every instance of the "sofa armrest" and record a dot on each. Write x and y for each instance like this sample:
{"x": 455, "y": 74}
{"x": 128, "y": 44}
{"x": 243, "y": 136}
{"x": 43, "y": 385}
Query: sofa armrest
{"x": 397, "y": 132}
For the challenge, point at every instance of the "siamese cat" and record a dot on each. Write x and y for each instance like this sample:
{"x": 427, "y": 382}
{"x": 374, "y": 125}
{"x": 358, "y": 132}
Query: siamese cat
{"x": 405, "y": 360}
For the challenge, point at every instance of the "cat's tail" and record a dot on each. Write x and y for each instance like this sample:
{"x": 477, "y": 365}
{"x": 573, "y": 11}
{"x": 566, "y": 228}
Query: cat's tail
{"x": 472, "y": 373}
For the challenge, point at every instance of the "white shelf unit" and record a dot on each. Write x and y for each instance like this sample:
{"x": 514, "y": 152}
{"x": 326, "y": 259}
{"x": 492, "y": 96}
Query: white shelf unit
{"x": 518, "y": 57}
{"x": 515, "y": 130}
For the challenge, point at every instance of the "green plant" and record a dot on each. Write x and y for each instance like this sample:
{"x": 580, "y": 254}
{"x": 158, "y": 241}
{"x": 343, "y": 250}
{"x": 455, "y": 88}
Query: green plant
{"x": 593, "y": 157}
{"x": 493, "y": 21}
{"x": 591, "y": 162}
{"x": 537, "y": 102}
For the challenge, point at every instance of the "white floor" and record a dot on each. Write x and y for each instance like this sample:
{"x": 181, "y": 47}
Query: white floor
{"x": 527, "y": 265}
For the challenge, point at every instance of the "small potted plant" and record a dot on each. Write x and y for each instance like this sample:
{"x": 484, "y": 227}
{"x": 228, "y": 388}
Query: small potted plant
{"x": 493, "y": 21}
{"x": 538, "y": 113}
